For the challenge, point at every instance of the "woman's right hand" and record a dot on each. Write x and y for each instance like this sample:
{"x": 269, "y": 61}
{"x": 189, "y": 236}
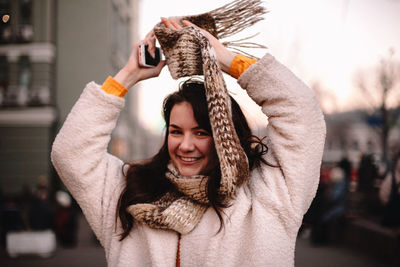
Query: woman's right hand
{"x": 132, "y": 72}
{"x": 224, "y": 55}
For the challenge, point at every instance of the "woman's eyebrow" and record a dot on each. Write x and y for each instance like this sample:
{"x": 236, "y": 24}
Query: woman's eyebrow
{"x": 177, "y": 127}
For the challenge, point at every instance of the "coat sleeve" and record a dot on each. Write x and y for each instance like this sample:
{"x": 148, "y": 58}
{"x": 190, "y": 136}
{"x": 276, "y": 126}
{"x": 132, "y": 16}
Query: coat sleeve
{"x": 79, "y": 154}
{"x": 295, "y": 133}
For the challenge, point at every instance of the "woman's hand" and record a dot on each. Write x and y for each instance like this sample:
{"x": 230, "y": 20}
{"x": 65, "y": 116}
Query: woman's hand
{"x": 224, "y": 56}
{"x": 132, "y": 72}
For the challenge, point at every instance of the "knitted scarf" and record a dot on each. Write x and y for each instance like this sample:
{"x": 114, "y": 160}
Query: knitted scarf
{"x": 188, "y": 52}
{"x": 179, "y": 210}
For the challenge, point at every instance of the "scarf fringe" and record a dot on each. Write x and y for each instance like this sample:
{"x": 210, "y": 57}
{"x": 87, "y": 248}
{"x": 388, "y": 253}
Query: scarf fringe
{"x": 230, "y": 19}
{"x": 237, "y": 16}
{"x": 237, "y": 44}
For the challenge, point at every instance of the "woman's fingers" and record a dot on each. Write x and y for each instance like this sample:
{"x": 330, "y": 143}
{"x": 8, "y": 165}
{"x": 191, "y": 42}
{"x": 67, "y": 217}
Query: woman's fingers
{"x": 171, "y": 23}
{"x": 175, "y": 24}
{"x": 167, "y": 23}
{"x": 188, "y": 23}
{"x": 158, "y": 68}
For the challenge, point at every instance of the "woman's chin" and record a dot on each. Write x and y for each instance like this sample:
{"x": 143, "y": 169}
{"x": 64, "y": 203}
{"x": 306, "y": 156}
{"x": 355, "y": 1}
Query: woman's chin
{"x": 185, "y": 171}
{"x": 188, "y": 173}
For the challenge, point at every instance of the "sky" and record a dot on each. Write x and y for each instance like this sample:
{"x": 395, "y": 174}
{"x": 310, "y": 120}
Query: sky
{"x": 324, "y": 42}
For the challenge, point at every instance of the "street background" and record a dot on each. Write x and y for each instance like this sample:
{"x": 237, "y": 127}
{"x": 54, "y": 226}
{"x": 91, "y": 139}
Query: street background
{"x": 347, "y": 51}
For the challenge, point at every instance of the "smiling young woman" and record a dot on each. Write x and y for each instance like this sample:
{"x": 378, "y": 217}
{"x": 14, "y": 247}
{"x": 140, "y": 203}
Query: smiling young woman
{"x": 186, "y": 205}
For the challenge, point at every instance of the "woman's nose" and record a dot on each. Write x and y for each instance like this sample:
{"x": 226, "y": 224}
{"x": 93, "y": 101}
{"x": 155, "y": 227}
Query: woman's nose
{"x": 187, "y": 143}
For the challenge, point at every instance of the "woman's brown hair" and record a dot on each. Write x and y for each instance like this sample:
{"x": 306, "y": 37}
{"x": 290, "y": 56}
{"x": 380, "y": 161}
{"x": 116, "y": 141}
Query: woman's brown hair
{"x": 146, "y": 182}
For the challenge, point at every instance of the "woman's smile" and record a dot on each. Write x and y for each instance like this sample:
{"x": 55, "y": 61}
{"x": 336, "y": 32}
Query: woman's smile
{"x": 189, "y": 159}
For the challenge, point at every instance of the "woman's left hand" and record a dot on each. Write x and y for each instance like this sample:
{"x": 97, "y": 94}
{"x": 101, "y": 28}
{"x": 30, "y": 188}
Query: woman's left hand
{"x": 224, "y": 56}
{"x": 132, "y": 72}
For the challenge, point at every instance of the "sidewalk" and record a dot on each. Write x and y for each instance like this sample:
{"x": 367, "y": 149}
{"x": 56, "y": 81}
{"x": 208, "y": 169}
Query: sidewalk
{"x": 308, "y": 255}
{"x": 87, "y": 253}
{"x": 369, "y": 237}
{"x": 353, "y": 242}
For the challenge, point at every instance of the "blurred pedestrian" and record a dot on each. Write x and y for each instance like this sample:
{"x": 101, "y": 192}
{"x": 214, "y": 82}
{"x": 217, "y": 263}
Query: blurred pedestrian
{"x": 389, "y": 194}
{"x": 25, "y": 200}
{"x": 41, "y": 213}
{"x": 212, "y": 195}
{"x": 366, "y": 178}
{"x": 11, "y": 218}
{"x": 345, "y": 165}
{"x": 330, "y": 204}
{"x": 367, "y": 173}
{"x": 66, "y": 223}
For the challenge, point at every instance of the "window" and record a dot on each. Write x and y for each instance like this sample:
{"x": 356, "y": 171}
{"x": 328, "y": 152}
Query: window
{"x": 24, "y": 80}
{"x": 16, "y": 23}
{"x": 5, "y": 23}
{"x": 25, "y": 28}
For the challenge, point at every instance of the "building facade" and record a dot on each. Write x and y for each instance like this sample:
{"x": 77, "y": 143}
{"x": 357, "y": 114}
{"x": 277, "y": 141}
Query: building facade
{"x": 49, "y": 51}
{"x": 27, "y": 91}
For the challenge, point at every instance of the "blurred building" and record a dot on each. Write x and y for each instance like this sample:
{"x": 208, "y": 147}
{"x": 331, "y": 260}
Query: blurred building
{"x": 49, "y": 50}
{"x": 27, "y": 90}
{"x": 353, "y": 134}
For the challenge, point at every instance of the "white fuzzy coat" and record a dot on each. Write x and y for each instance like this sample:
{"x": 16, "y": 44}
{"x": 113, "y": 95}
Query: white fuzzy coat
{"x": 261, "y": 225}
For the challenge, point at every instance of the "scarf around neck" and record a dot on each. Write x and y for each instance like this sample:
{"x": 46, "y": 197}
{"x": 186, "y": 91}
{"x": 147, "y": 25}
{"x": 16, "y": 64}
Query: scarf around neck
{"x": 180, "y": 210}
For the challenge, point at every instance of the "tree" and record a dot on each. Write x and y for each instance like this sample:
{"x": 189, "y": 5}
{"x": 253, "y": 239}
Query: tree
{"x": 380, "y": 90}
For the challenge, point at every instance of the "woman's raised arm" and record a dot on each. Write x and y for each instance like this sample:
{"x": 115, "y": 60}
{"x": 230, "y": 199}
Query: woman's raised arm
{"x": 79, "y": 152}
{"x": 295, "y": 135}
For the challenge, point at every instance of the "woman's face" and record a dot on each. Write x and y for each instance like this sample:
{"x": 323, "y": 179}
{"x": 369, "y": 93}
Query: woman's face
{"x": 190, "y": 147}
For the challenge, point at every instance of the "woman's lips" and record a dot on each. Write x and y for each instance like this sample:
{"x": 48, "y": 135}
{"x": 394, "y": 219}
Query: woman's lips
{"x": 189, "y": 160}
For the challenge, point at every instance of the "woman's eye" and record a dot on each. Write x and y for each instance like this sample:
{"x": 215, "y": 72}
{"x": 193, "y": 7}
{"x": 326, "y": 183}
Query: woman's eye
{"x": 202, "y": 133}
{"x": 175, "y": 132}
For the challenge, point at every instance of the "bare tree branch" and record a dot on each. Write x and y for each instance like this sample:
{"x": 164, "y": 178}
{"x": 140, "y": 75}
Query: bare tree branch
{"x": 361, "y": 83}
{"x": 378, "y": 94}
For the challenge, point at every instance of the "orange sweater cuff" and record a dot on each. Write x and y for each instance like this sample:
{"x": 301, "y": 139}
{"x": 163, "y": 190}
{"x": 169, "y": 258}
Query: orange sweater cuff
{"x": 240, "y": 64}
{"x": 111, "y": 86}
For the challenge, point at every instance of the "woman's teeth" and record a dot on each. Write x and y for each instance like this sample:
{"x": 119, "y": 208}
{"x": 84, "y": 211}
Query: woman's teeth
{"x": 188, "y": 159}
